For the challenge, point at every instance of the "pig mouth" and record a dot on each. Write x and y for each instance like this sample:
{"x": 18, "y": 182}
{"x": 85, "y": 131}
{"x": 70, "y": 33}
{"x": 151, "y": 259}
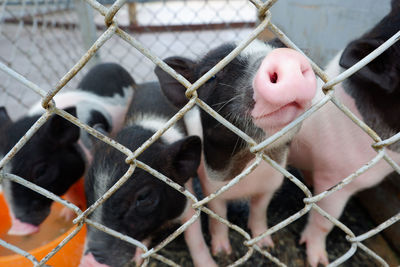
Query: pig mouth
{"x": 278, "y": 118}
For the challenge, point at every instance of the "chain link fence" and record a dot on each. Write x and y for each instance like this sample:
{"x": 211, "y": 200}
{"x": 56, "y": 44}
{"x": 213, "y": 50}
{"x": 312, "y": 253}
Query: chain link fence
{"x": 42, "y": 39}
{"x": 39, "y": 23}
{"x": 33, "y": 35}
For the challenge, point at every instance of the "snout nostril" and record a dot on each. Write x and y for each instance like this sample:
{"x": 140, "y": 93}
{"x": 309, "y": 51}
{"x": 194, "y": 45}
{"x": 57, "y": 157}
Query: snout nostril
{"x": 273, "y": 77}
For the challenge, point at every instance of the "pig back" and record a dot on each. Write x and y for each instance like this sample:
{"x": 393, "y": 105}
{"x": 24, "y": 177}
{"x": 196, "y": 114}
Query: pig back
{"x": 149, "y": 100}
{"x": 106, "y": 80}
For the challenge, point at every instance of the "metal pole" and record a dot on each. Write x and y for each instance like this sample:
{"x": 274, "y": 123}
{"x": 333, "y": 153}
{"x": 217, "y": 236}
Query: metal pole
{"x": 88, "y": 28}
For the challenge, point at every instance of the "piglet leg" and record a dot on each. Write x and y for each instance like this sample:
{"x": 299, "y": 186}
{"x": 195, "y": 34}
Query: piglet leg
{"x": 317, "y": 228}
{"x": 219, "y": 231}
{"x": 194, "y": 238}
{"x": 257, "y": 222}
{"x": 258, "y": 218}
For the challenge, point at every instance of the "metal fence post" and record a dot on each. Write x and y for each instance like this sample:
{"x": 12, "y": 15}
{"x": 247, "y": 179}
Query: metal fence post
{"x": 87, "y": 28}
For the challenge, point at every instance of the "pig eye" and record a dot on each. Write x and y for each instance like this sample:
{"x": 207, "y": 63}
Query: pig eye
{"x": 146, "y": 200}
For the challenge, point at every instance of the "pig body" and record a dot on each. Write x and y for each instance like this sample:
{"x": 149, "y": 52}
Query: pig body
{"x": 143, "y": 204}
{"x": 58, "y": 154}
{"x": 263, "y": 89}
{"x": 330, "y": 147}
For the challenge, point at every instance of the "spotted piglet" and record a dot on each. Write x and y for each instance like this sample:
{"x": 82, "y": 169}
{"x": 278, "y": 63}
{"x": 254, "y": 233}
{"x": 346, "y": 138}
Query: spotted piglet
{"x": 59, "y": 152}
{"x": 144, "y": 203}
{"x": 330, "y": 146}
{"x": 260, "y": 91}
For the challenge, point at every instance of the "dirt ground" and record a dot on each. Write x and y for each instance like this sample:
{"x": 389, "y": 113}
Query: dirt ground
{"x": 286, "y": 202}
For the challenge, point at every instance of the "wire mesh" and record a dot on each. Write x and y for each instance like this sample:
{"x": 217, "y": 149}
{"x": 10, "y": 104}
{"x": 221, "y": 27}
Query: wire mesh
{"x": 33, "y": 23}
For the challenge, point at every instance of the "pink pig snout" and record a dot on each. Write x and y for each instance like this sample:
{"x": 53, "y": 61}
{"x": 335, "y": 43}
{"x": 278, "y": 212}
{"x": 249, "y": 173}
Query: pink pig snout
{"x": 88, "y": 260}
{"x": 284, "y": 86}
{"x": 21, "y": 228}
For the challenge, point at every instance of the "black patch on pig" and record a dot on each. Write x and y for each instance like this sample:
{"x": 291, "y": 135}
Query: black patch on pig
{"x": 376, "y": 87}
{"x": 49, "y": 159}
{"x": 149, "y": 99}
{"x": 106, "y": 79}
{"x": 4, "y": 117}
{"x": 97, "y": 118}
{"x": 395, "y": 5}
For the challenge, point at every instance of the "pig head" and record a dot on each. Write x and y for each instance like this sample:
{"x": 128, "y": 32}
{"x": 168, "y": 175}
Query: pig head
{"x": 144, "y": 203}
{"x": 260, "y": 91}
{"x": 49, "y": 159}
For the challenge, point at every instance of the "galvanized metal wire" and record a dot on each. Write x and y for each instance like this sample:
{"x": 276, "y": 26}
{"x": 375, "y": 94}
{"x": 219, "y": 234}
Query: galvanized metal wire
{"x": 310, "y": 201}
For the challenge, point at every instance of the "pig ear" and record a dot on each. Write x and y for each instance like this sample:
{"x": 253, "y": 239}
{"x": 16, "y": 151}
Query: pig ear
{"x": 4, "y": 116}
{"x": 62, "y": 132}
{"x": 395, "y": 4}
{"x": 172, "y": 89}
{"x": 184, "y": 157}
{"x": 382, "y": 71}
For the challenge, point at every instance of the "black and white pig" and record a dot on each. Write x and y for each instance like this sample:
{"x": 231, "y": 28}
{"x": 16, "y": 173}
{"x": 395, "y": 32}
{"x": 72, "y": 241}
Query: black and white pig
{"x": 144, "y": 203}
{"x": 58, "y": 154}
{"x": 262, "y": 90}
{"x": 329, "y": 146}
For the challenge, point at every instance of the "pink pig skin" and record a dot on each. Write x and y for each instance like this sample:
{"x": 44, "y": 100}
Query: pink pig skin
{"x": 330, "y": 147}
